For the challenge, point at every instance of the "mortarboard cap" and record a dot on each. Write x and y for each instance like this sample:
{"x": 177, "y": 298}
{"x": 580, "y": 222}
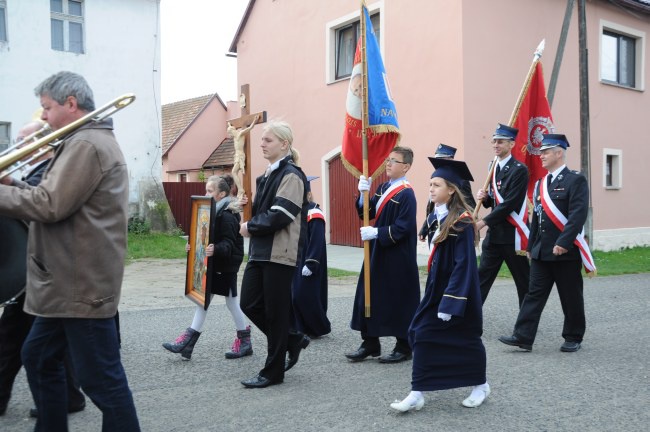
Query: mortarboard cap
{"x": 554, "y": 140}
{"x": 504, "y": 132}
{"x": 451, "y": 170}
{"x": 309, "y": 179}
{"x": 445, "y": 151}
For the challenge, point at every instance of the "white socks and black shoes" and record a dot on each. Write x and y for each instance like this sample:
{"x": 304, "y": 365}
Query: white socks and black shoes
{"x": 478, "y": 396}
{"x": 414, "y": 401}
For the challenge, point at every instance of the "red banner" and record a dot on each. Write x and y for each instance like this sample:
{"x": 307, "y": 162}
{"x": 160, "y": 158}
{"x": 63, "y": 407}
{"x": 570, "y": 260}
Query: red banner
{"x": 533, "y": 120}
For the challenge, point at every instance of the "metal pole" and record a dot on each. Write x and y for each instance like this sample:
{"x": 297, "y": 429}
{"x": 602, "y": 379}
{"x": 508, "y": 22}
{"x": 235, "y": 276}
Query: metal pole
{"x": 584, "y": 110}
{"x": 560, "y": 52}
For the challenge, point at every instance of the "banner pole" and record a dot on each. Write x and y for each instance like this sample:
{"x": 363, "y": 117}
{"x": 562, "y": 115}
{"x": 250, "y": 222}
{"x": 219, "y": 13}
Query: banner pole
{"x": 364, "y": 149}
{"x": 513, "y": 116}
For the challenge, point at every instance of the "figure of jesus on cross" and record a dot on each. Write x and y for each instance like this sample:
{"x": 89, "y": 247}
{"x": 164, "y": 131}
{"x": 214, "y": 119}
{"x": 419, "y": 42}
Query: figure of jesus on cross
{"x": 239, "y": 166}
{"x": 239, "y": 129}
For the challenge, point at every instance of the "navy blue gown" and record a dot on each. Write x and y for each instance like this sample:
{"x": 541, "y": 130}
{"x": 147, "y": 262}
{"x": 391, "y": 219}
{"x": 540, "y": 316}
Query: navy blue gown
{"x": 394, "y": 278}
{"x": 450, "y": 354}
{"x": 309, "y": 293}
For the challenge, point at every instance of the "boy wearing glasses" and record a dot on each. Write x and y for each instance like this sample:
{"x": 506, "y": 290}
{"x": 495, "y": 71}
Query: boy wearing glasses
{"x": 394, "y": 279}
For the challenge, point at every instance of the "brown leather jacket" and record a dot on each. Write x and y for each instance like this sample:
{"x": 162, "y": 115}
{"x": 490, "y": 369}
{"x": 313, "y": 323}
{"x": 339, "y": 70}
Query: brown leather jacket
{"x": 77, "y": 234}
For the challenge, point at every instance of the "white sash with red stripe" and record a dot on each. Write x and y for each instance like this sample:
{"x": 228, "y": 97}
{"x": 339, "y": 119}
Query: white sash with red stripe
{"x": 559, "y": 220}
{"x": 315, "y": 213}
{"x": 393, "y": 190}
{"x": 517, "y": 220}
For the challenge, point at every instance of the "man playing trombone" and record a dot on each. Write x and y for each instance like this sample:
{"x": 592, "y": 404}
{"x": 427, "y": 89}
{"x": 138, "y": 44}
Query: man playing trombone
{"x": 76, "y": 249}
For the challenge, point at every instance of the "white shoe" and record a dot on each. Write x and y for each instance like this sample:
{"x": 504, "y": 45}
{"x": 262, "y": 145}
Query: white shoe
{"x": 408, "y": 405}
{"x": 477, "y": 397}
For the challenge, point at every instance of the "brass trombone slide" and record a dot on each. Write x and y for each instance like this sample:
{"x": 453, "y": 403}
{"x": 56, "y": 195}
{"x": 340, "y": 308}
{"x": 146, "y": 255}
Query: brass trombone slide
{"x": 99, "y": 114}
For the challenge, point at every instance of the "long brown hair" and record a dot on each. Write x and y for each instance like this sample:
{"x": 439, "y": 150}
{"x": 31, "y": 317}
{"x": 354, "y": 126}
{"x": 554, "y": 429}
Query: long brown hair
{"x": 459, "y": 214}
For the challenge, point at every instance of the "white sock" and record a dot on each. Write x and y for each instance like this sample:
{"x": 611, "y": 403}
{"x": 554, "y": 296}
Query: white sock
{"x": 232, "y": 303}
{"x": 413, "y": 397}
{"x": 480, "y": 391}
{"x": 199, "y": 317}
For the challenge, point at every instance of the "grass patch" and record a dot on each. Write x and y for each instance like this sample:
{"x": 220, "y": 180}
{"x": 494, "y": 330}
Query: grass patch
{"x": 171, "y": 246}
{"x": 625, "y": 261}
{"x": 155, "y": 245}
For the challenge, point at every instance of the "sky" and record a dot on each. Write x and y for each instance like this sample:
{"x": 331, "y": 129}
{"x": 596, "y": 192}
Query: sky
{"x": 195, "y": 36}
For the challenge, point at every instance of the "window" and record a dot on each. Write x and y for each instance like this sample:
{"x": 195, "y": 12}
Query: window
{"x": 346, "y": 45}
{"x": 5, "y": 134}
{"x": 66, "y": 18}
{"x": 3, "y": 21}
{"x": 621, "y": 56}
{"x": 182, "y": 177}
{"x": 612, "y": 169}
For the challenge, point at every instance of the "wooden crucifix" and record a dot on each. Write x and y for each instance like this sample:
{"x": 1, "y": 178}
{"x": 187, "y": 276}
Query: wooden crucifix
{"x": 239, "y": 129}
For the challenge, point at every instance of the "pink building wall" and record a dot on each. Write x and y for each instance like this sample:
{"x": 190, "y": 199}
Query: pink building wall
{"x": 455, "y": 70}
{"x": 196, "y": 143}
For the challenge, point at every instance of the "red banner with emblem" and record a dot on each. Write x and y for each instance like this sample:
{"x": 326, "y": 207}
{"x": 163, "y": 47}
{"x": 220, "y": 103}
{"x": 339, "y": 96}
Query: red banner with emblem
{"x": 533, "y": 120}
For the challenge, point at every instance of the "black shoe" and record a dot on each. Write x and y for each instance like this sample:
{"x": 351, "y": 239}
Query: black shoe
{"x": 395, "y": 357}
{"x": 362, "y": 353}
{"x": 569, "y": 346}
{"x": 294, "y": 352}
{"x": 33, "y": 412}
{"x": 514, "y": 341}
{"x": 259, "y": 382}
{"x": 3, "y": 408}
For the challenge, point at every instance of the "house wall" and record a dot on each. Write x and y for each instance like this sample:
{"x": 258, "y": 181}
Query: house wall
{"x": 455, "y": 70}
{"x": 122, "y": 56}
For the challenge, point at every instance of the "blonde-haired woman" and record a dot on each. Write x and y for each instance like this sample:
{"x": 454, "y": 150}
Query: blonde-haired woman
{"x": 277, "y": 232}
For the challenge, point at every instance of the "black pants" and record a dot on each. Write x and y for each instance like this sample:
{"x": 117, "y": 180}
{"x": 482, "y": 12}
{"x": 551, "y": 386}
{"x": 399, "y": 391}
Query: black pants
{"x": 14, "y": 328}
{"x": 266, "y": 301}
{"x": 568, "y": 279}
{"x": 492, "y": 256}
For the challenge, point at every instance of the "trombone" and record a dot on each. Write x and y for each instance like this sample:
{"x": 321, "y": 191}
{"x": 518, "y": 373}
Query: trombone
{"x": 15, "y": 154}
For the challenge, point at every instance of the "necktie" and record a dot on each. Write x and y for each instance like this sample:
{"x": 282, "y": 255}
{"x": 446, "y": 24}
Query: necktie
{"x": 498, "y": 169}
{"x": 549, "y": 180}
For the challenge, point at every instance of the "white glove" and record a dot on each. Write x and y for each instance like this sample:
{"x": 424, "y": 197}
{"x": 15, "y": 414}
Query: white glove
{"x": 364, "y": 184}
{"x": 368, "y": 233}
{"x": 444, "y": 316}
{"x": 306, "y": 271}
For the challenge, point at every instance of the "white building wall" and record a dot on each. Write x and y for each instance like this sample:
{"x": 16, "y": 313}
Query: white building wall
{"x": 122, "y": 55}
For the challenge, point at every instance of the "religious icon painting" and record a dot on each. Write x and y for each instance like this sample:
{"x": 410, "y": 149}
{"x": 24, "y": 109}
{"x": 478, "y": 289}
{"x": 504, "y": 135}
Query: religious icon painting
{"x": 198, "y": 276}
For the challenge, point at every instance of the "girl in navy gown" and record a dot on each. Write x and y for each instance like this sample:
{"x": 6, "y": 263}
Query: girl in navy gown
{"x": 445, "y": 333}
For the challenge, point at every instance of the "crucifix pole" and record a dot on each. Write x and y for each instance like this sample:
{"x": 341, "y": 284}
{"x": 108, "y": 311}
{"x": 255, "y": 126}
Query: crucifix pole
{"x": 239, "y": 129}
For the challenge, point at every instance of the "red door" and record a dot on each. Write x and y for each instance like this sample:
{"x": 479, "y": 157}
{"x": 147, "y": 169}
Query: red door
{"x": 344, "y": 220}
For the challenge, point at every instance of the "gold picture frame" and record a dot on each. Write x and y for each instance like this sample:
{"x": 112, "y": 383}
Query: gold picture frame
{"x": 198, "y": 275}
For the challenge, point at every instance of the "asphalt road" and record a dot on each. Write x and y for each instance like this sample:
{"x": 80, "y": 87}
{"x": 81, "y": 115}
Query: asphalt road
{"x": 603, "y": 387}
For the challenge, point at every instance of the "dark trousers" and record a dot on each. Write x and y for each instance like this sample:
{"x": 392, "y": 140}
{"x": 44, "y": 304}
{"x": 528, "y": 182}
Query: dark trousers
{"x": 568, "y": 279}
{"x": 492, "y": 256}
{"x": 266, "y": 301}
{"x": 93, "y": 348}
{"x": 372, "y": 342}
{"x": 14, "y": 328}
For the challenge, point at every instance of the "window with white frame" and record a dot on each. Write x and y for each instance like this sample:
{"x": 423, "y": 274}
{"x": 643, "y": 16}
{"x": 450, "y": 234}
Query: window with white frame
{"x": 346, "y": 38}
{"x": 621, "y": 55}
{"x": 5, "y": 136}
{"x": 612, "y": 169}
{"x": 182, "y": 177}
{"x": 67, "y": 21}
{"x": 3, "y": 21}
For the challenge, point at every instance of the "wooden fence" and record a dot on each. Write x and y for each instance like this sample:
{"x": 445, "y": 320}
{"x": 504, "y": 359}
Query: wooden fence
{"x": 179, "y": 198}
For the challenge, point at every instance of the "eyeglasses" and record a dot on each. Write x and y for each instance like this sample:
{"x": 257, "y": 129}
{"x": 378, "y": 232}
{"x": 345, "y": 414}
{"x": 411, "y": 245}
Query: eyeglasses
{"x": 393, "y": 161}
